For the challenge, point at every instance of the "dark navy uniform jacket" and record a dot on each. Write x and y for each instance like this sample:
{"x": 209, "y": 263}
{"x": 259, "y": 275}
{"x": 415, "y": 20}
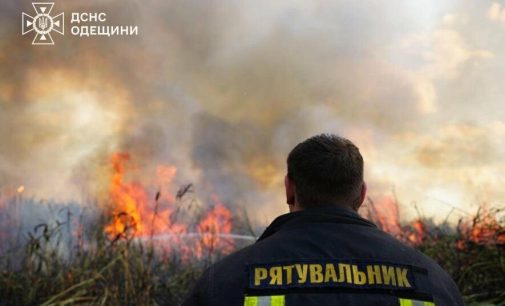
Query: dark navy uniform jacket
{"x": 327, "y": 256}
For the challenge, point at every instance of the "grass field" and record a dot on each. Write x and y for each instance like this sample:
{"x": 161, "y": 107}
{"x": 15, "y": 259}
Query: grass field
{"x": 60, "y": 263}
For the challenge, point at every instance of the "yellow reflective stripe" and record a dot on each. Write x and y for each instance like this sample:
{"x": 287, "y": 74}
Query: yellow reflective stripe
{"x": 251, "y": 301}
{"x": 277, "y": 300}
{"x": 274, "y": 300}
{"x": 405, "y": 302}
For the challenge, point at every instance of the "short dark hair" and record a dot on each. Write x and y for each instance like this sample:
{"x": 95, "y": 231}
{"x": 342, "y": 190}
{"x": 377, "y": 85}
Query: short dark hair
{"x": 326, "y": 169}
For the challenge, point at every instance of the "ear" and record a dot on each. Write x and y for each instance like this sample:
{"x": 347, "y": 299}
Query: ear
{"x": 290, "y": 190}
{"x": 361, "y": 196}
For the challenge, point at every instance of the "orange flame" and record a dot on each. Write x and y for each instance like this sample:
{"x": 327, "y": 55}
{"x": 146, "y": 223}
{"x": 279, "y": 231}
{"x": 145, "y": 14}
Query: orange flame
{"x": 127, "y": 199}
{"x": 484, "y": 229}
{"x": 135, "y": 216}
{"x": 385, "y": 214}
{"x": 417, "y": 236}
{"x": 217, "y": 221}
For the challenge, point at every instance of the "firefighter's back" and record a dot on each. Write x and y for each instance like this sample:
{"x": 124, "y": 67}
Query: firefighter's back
{"x": 327, "y": 257}
{"x": 322, "y": 252}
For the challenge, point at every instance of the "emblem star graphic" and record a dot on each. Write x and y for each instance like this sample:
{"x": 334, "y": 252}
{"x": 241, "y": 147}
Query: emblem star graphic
{"x": 43, "y": 23}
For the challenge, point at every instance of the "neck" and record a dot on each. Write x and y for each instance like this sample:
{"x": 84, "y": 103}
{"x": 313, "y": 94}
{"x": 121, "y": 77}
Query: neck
{"x": 297, "y": 207}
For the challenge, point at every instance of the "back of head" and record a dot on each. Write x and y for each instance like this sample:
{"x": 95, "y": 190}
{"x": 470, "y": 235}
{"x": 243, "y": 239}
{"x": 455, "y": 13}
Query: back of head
{"x": 327, "y": 170}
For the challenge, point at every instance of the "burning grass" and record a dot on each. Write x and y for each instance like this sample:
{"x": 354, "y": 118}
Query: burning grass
{"x": 62, "y": 263}
{"x": 125, "y": 273}
{"x": 91, "y": 268}
{"x": 472, "y": 252}
{"x": 149, "y": 250}
{"x": 137, "y": 250}
{"x": 474, "y": 255}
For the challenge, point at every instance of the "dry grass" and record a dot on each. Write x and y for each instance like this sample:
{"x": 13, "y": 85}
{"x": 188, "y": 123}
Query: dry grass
{"x": 127, "y": 272}
{"x": 48, "y": 269}
{"x": 474, "y": 255}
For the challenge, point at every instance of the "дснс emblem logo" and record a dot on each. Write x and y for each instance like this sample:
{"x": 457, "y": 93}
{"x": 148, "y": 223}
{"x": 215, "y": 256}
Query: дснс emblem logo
{"x": 43, "y": 23}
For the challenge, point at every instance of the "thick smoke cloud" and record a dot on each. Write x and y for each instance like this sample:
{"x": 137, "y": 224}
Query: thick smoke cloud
{"x": 224, "y": 89}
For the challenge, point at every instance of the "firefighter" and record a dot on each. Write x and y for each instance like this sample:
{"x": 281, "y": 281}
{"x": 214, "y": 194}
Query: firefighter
{"x": 323, "y": 252}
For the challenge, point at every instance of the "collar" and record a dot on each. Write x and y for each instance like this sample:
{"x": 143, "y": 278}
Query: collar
{"x": 315, "y": 215}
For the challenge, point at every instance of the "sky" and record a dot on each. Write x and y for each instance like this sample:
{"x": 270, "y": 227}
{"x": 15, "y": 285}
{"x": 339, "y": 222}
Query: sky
{"x": 223, "y": 89}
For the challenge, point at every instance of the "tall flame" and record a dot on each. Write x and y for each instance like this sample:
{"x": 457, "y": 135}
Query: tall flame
{"x": 128, "y": 200}
{"x": 218, "y": 220}
{"x": 136, "y": 216}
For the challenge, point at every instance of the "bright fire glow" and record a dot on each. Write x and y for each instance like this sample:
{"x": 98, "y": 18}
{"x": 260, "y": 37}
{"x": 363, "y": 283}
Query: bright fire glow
{"x": 484, "y": 228}
{"x": 136, "y": 215}
{"x": 386, "y": 215}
